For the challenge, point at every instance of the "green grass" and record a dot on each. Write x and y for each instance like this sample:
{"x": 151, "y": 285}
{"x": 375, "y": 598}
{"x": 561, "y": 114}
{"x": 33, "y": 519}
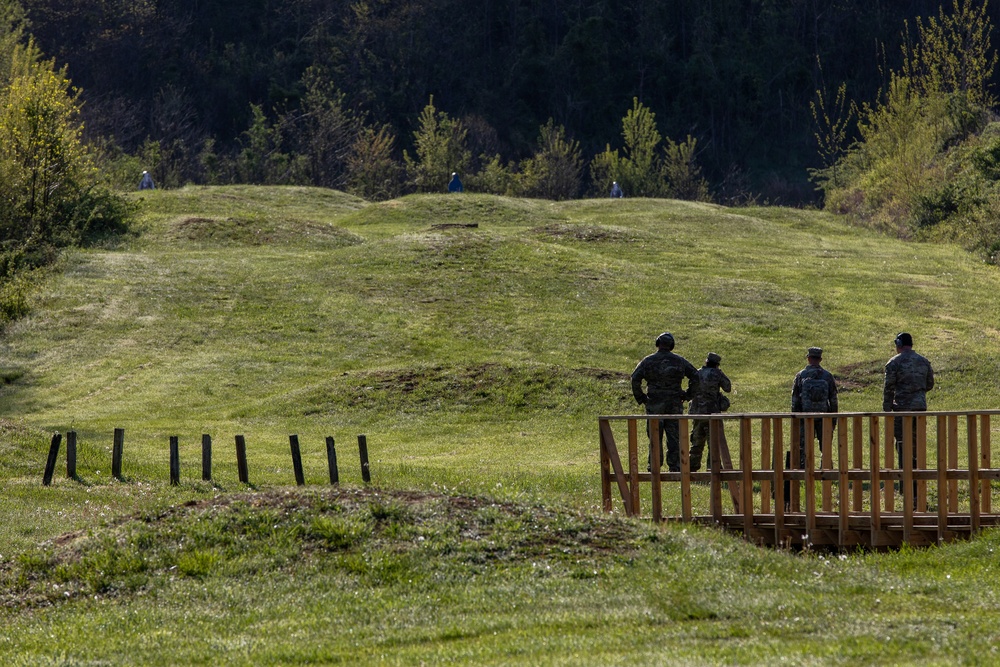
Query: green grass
{"x": 476, "y": 360}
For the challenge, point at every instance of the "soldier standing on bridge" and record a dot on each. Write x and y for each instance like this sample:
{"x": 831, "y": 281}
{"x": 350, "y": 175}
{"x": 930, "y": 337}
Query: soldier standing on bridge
{"x": 664, "y": 372}
{"x": 706, "y": 399}
{"x": 814, "y": 390}
{"x": 908, "y": 378}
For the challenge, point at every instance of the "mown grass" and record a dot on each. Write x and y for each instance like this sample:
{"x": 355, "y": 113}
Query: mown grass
{"x": 474, "y": 340}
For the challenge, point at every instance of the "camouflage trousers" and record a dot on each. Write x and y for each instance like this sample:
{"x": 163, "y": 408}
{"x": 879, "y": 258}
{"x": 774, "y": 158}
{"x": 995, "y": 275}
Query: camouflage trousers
{"x": 671, "y": 428}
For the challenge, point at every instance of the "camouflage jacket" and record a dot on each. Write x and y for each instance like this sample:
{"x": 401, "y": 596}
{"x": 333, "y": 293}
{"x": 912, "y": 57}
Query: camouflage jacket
{"x": 704, "y": 390}
{"x": 663, "y": 373}
{"x": 908, "y": 378}
{"x": 805, "y": 377}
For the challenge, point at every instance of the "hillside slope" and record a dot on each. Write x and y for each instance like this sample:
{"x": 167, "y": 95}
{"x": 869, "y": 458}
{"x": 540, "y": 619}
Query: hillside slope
{"x": 468, "y": 333}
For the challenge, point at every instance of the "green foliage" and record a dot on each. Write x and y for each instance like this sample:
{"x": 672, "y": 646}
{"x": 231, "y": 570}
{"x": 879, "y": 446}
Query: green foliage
{"x": 439, "y": 144}
{"x": 919, "y": 161}
{"x": 262, "y": 161}
{"x": 682, "y": 172}
{"x": 373, "y": 172}
{"x": 555, "y": 171}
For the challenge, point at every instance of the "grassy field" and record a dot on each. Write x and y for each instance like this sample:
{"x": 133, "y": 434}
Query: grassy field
{"x": 474, "y": 340}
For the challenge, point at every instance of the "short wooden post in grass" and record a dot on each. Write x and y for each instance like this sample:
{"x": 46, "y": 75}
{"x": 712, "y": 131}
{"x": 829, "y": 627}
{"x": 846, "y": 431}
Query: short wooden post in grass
{"x": 293, "y": 441}
{"x": 116, "y": 453}
{"x": 175, "y": 461}
{"x": 241, "y": 459}
{"x": 206, "y": 457}
{"x": 331, "y": 457}
{"x": 71, "y": 454}
{"x": 50, "y": 464}
{"x": 366, "y": 474}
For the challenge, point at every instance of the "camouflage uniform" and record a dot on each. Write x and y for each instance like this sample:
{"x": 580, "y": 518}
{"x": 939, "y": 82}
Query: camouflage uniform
{"x": 705, "y": 400}
{"x": 800, "y": 403}
{"x": 908, "y": 378}
{"x": 663, "y": 372}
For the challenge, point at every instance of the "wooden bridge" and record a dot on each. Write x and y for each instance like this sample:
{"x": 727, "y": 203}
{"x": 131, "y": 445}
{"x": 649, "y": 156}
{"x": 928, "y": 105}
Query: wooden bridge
{"x": 846, "y": 494}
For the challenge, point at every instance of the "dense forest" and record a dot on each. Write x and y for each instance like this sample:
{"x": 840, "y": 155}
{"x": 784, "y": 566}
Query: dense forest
{"x": 881, "y": 110}
{"x": 737, "y": 76}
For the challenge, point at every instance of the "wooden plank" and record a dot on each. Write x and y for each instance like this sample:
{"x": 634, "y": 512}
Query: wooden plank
{"x": 293, "y": 444}
{"x": 715, "y": 447}
{"x": 765, "y": 464}
{"x": 953, "y": 462}
{"x": 844, "y": 508}
{"x": 942, "y": 470}
{"x": 633, "y": 465}
{"x": 241, "y": 460}
{"x": 827, "y": 461}
{"x": 874, "y": 489}
{"x": 654, "y": 465}
{"x": 890, "y": 457}
{"x": 684, "y": 434}
{"x": 366, "y": 471}
{"x": 117, "y": 453}
{"x": 810, "y": 485}
{"x": 71, "y": 454}
{"x": 921, "y": 462}
{"x": 973, "y": 438}
{"x": 602, "y": 424}
{"x": 858, "y": 461}
{"x": 986, "y": 495}
{"x": 906, "y": 488}
{"x": 206, "y": 457}
{"x": 795, "y": 463}
{"x": 746, "y": 464}
{"x": 727, "y": 464}
{"x": 779, "y": 485}
{"x": 50, "y": 463}
{"x": 608, "y": 444}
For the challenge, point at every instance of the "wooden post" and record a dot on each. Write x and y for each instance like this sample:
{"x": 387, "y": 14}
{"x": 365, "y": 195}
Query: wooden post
{"x": 175, "y": 461}
{"x": 986, "y": 496}
{"x": 293, "y": 441}
{"x": 953, "y": 462}
{"x": 654, "y": 466}
{"x": 826, "y": 425}
{"x": 796, "y": 462}
{"x": 603, "y": 427}
{"x": 874, "y": 491}
{"x": 241, "y": 459}
{"x": 906, "y": 487}
{"x": 765, "y": 464}
{"x": 779, "y": 483}
{"x": 206, "y": 457}
{"x": 942, "y": 480}
{"x": 50, "y": 464}
{"x": 746, "y": 464}
{"x": 685, "y": 447}
{"x": 889, "y": 454}
{"x": 331, "y": 459}
{"x": 921, "y": 454}
{"x": 843, "y": 487}
{"x": 974, "y": 507}
{"x": 71, "y": 454}
{"x": 633, "y": 464}
{"x": 715, "y": 447}
{"x": 366, "y": 474}
{"x": 116, "y": 453}
{"x": 858, "y": 461}
{"x": 810, "y": 483}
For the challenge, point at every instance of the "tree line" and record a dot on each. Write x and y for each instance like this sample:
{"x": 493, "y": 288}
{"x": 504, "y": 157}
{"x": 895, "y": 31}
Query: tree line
{"x": 193, "y": 84}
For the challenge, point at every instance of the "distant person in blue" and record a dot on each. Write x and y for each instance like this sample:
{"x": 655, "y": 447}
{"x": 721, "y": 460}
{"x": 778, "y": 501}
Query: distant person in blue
{"x": 456, "y": 184}
{"x": 147, "y": 182}
{"x": 616, "y": 191}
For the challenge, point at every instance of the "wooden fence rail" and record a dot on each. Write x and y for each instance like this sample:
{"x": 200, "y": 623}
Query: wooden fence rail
{"x": 850, "y": 491}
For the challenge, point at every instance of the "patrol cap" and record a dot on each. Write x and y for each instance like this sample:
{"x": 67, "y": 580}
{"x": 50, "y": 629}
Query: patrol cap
{"x": 665, "y": 338}
{"x": 714, "y": 358}
{"x": 815, "y": 352}
{"x": 903, "y": 339}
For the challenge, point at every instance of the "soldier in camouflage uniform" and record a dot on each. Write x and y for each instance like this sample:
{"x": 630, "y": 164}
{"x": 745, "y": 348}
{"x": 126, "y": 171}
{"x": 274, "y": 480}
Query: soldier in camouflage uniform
{"x": 908, "y": 378}
{"x": 706, "y": 399}
{"x": 814, "y": 390}
{"x": 663, "y": 372}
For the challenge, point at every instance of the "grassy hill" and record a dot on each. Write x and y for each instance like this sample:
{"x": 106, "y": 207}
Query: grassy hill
{"x": 474, "y": 340}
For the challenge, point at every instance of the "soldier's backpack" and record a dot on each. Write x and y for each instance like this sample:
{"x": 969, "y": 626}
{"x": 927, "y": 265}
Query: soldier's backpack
{"x": 815, "y": 395}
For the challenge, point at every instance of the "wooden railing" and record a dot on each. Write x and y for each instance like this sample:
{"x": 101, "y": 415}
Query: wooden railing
{"x": 849, "y": 491}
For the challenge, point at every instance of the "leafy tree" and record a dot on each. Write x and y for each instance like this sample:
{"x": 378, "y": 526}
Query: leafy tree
{"x": 439, "y": 143}
{"x": 683, "y": 175}
{"x": 323, "y": 131}
{"x": 373, "y": 172}
{"x": 554, "y": 172}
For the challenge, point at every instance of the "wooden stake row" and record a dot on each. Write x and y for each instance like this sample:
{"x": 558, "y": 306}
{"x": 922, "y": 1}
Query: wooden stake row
{"x": 206, "y": 458}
